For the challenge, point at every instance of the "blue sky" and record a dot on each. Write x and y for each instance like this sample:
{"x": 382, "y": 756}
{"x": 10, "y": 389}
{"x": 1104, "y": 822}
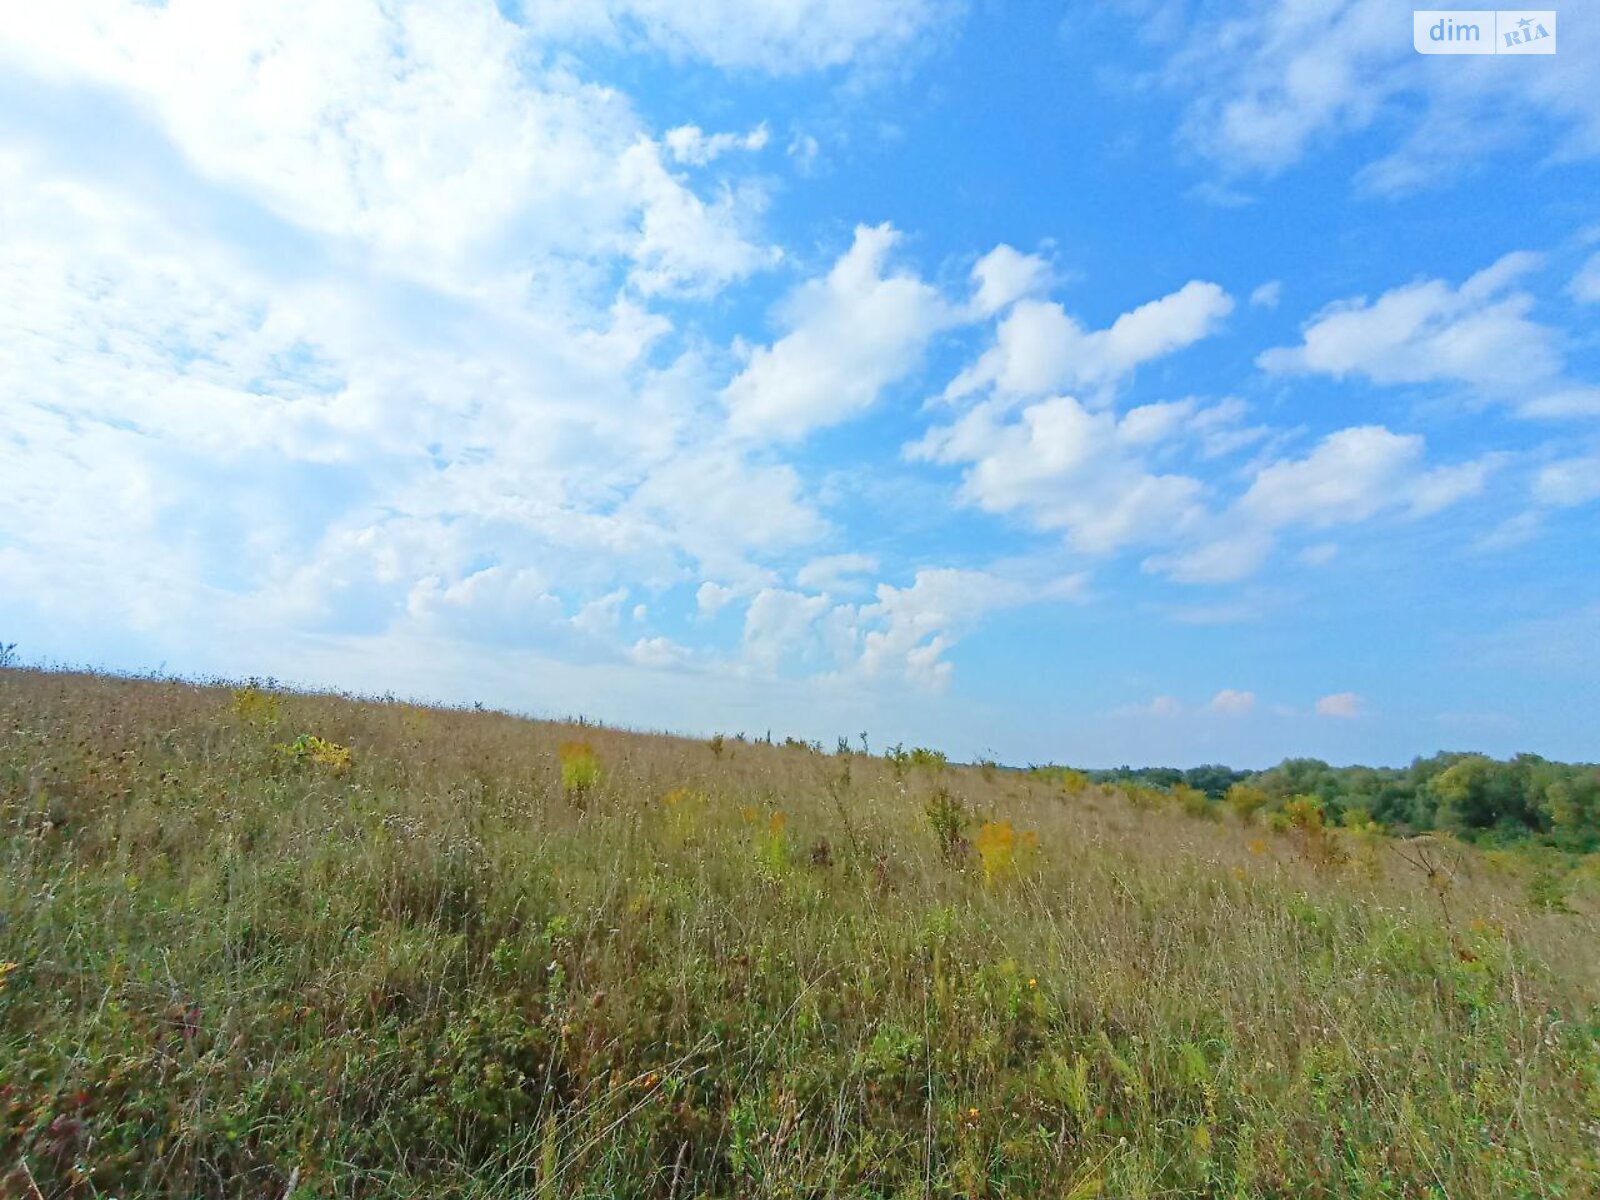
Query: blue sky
{"x": 1133, "y": 382}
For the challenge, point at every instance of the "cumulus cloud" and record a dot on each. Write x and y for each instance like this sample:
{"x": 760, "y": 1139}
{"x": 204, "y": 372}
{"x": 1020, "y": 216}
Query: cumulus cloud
{"x": 658, "y": 652}
{"x": 601, "y": 615}
{"x": 421, "y": 131}
{"x": 684, "y": 243}
{"x": 909, "y": 629}
{"x": 1039, "y": 348}
{"x": 1478, "y": 335}
{"x": 1233, "y": 703}
{"x": 779, "y": 622}
{"x": 900, "y": 634}
{"x": 847, "y": 337}
{"x": 1004, "y": 276}
{"x": 711, "y": 598}
{"x": 1081, "y": 471}
{"x": 1341, "y": 705}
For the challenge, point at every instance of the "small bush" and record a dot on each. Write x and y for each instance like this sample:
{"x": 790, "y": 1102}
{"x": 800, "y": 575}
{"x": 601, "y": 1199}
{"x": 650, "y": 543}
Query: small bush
{"x": 947, "y": 817}
{"x": 1245, "y": 801}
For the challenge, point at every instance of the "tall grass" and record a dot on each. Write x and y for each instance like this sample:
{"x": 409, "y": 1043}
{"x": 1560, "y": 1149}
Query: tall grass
{"x": 412, "y": 958}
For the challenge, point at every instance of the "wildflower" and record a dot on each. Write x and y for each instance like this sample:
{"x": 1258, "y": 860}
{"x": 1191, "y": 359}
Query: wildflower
{"x": 996, "y": 844}
{"x": 580, "y": 769}
{"x": 310, "y": 748}
{"x": 1033, "y": 983}
{"x": 5, "y": 969}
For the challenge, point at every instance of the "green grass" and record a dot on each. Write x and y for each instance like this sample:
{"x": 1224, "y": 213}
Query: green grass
{"x": 437, "y": 970}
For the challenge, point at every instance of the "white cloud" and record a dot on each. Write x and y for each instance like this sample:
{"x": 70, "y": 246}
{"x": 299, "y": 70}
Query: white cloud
{"x": 1039, "y": 349}
{"x": 1069, "y": 468}
{"x": 848, "y": 337}
{"x": 601, "y": 615}
{"x": 835, "y": 572}
{"x": 778, "y": 623}
{"x": 1267, "y": 295}
{"x": 711, "y": 598}
{"x": 782, "y": 36}
{"x": 1585, "y": 286}
{"x": 1219, "y": 559}
{"x": 721, "y": 506}
{"x": 806, "y": 151}
{"x": 1270, "y": 82}
{"x": 692, "y": 145}
{"x": 424, "y": 131}
{"x": 1061, "y": 465}
{"x": 1563, "y": 403}
{"x": 1568, "y": 483}
{"x": 516, "y": 598}
{"x": 1478, "y": 334}
{"x": 658, "y": 652}
{"x": 373, "y": 461}
{"x": 1004, "y": 276}
{"x": 684, "y": 244}
{"x": 1349, "y": 477}
{"x": 1510, "y": 533}
{"x": 1233, "y": 703}
{"x": 916, "y": 625}
{"x": 899, "y": 635}
{"x": 1341, "y": 705}
{"x": 1352, "y": 475}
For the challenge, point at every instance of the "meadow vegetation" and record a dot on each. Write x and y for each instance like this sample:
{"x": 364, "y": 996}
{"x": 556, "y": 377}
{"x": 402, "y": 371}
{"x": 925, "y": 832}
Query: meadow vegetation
{"x": 266, "y": 944}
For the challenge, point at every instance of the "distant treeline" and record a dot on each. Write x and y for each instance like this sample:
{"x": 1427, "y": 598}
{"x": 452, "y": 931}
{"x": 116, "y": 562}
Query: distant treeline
{"x": 1471, "y": 795}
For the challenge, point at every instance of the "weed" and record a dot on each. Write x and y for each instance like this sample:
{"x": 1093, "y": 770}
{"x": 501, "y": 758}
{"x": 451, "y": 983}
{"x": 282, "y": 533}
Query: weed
{"x": 308, "y": 748}
{"x": 948, "y": 819}
{"x": 580, "y": 769}
{"x": 256, "y": 707}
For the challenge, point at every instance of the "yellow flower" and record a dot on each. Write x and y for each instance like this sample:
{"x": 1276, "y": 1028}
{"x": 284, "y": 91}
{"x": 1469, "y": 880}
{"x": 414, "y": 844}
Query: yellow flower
{"x": 1033, "y": 983}
{"x": 5, "y": 969}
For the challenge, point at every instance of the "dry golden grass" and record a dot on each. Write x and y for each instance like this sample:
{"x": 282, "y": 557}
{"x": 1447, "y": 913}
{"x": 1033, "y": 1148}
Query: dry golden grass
{"x": 435, "y": 967}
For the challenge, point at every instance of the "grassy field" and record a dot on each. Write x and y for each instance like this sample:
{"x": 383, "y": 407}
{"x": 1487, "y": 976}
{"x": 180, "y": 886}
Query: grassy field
{"x": 261, "y": 945}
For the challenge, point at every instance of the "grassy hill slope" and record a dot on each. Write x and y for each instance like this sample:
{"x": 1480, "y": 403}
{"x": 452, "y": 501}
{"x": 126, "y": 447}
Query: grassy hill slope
{"x": 423, "y": 952}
